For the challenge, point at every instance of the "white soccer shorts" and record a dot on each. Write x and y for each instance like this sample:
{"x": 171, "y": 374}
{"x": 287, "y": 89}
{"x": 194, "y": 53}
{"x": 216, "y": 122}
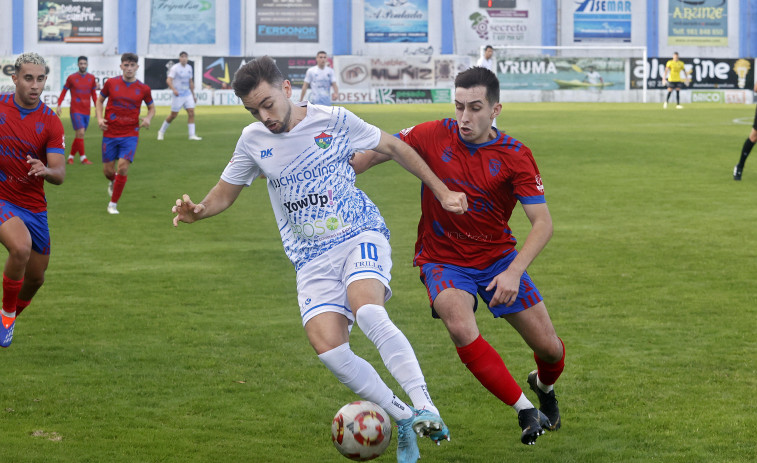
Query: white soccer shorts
{"x": 178, "y": 102}
{"x": 322, "y": 283}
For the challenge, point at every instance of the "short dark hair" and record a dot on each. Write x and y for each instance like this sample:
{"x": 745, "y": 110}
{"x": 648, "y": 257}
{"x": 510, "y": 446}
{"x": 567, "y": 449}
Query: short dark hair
{"x": 130, "y": 57}
{"x": 488, "y": 47}
{"x": 183, "y": 54}
{"x": 82, "y": 58}
{"x": 480, "y": 76}
{"x": 321, "y": 52}
{"x": 248, "y": 77}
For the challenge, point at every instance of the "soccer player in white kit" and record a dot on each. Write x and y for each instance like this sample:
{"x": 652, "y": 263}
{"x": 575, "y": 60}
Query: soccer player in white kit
{"x": 320, "y": 79}
{"x": 181, "y": 81}
{"x": 333, "y": 234}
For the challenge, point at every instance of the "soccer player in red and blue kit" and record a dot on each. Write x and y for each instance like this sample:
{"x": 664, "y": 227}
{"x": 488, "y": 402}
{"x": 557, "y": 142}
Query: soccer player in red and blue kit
{"x": 32, "y": 150}
{"x": 474, "y": 253}
{"x": 121, "y": 124}
{"x": 83, "y": 87}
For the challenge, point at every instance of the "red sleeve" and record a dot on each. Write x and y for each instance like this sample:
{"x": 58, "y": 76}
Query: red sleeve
{"x": 63, "y": 92}
{"x": 105, "y": 92}
{"x": 418, "y": 136}
{"x": 527, "y": 183}
{"x": 94, "y": 90}
{"x": 55, "y": 143}
{"x": 148, "y": 95}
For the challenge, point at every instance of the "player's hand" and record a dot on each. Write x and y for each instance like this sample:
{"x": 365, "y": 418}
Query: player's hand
{"x": 145, "y": 123}
{"x": 36, "y": 167}
{"x": 455, "y": 201}
{"x": 57, "y": 110}
{"x": 664, "y": 82}
{"x": 507, "y": 285}
{"x": 176, "y": 92}
{"x": 103, "y": 124}
{"x": 186, "y": 211}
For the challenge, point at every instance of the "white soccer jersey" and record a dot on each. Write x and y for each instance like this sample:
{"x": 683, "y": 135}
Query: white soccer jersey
{"x": 320, "y": 81}
{"x": 310, "y": 181}
{"x": 181, "y": 76}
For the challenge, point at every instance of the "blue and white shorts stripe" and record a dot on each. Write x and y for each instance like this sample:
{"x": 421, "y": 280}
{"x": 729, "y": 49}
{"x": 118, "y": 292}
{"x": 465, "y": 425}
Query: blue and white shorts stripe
{"x": 322, "y": 282}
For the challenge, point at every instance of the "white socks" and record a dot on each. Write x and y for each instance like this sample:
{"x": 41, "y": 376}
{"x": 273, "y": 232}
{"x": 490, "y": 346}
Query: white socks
{"x": 358, "y": 375}
{"x": 396, "y": 352}
{"x": 523, "y": 403}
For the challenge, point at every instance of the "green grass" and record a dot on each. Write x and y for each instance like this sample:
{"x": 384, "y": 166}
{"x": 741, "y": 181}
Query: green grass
{"x": 154, "y": 344}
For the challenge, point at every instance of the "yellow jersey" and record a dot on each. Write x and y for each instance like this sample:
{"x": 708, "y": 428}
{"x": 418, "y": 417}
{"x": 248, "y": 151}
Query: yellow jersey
{"x": 675, "y": 70}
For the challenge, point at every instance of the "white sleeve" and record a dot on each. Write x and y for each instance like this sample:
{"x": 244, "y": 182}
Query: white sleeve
{"x": 308, "y": 77}
{"x": 172, "y": 72}
{"x": 242, "y": 168}
{"x": 362, "y": 134}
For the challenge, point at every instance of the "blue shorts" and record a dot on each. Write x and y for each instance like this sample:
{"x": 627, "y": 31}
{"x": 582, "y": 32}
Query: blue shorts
{"x": 36, "y": 223}
{"x": 438, "y": 277}
{"x": 119, "y": 148}
{"x": 80, "y": 121}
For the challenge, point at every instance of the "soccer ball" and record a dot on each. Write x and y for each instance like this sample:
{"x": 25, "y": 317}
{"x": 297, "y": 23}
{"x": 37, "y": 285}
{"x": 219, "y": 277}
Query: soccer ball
{"x": 361, "y": 430}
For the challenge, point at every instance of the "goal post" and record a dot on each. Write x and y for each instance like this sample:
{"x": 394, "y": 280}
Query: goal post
{"x": 579, "y": 55}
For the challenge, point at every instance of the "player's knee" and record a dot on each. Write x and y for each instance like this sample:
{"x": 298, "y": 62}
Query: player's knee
{"x": 461, "y": 332}
{"x": 19, "y": 250}
{"x": 552, "y": 352}
{"x": 34, "y": 280}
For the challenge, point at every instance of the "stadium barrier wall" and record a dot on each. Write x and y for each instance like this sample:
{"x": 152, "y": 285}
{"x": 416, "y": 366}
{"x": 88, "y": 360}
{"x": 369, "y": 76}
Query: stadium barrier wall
{"x": 429, "y": 79}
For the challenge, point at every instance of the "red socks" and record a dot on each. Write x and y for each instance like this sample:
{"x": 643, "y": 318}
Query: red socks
{"x": 77, "y": 146}
{"x": 118, "y": 187}
{"x": 549, "y": 372}
{"x": 11, "y": 288}
{"x": 490, "y": 370}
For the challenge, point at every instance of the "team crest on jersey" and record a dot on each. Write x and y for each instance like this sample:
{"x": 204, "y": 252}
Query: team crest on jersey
{"x": 447, "y": 154}
{"x": 39, "y": 126}
{"x": 494, "y": 166}
{"x": 539, "y": 184}
{"x": 323, "y": 140}
{"x": 436, "y": 272}
{"x": 406, "y": 131}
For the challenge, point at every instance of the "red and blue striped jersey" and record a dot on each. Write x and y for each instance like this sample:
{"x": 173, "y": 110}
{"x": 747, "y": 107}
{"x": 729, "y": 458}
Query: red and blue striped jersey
{"x": 494, "y": 176}
{"x": 83, "y": 87}
{"x": 124, "y": 103}
{"x": 26, "y": 132}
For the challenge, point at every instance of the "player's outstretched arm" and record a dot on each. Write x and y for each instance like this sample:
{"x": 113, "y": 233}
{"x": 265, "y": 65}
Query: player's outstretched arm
{"x": 364, "y": 160}
{"x": 405, "y": 155}
{"x": 217, "y": 200}
{"x": 507, "y": 282}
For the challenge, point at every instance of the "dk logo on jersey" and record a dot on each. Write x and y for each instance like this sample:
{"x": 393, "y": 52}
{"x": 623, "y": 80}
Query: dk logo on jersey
{"x": 323, "y": 140}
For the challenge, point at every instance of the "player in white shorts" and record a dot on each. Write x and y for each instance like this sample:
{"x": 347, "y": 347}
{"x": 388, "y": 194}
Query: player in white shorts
{"x": 181, "y": 82}
{"x": 333, "y": 234}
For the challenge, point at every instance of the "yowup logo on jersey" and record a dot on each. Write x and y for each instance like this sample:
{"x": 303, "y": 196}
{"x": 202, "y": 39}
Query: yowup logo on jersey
{"x": 312, "y": 199}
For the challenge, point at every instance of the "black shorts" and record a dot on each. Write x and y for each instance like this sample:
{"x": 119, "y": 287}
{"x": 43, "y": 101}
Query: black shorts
{"x": 675, "y": 85}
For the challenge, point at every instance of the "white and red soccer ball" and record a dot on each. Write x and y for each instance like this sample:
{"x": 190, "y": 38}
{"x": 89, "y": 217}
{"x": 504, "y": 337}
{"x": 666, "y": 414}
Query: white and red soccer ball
{"x": 361, "y": 430}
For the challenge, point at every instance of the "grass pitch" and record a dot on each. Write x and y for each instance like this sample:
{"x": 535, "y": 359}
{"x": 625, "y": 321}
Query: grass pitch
{"x": 154, "y": 344}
